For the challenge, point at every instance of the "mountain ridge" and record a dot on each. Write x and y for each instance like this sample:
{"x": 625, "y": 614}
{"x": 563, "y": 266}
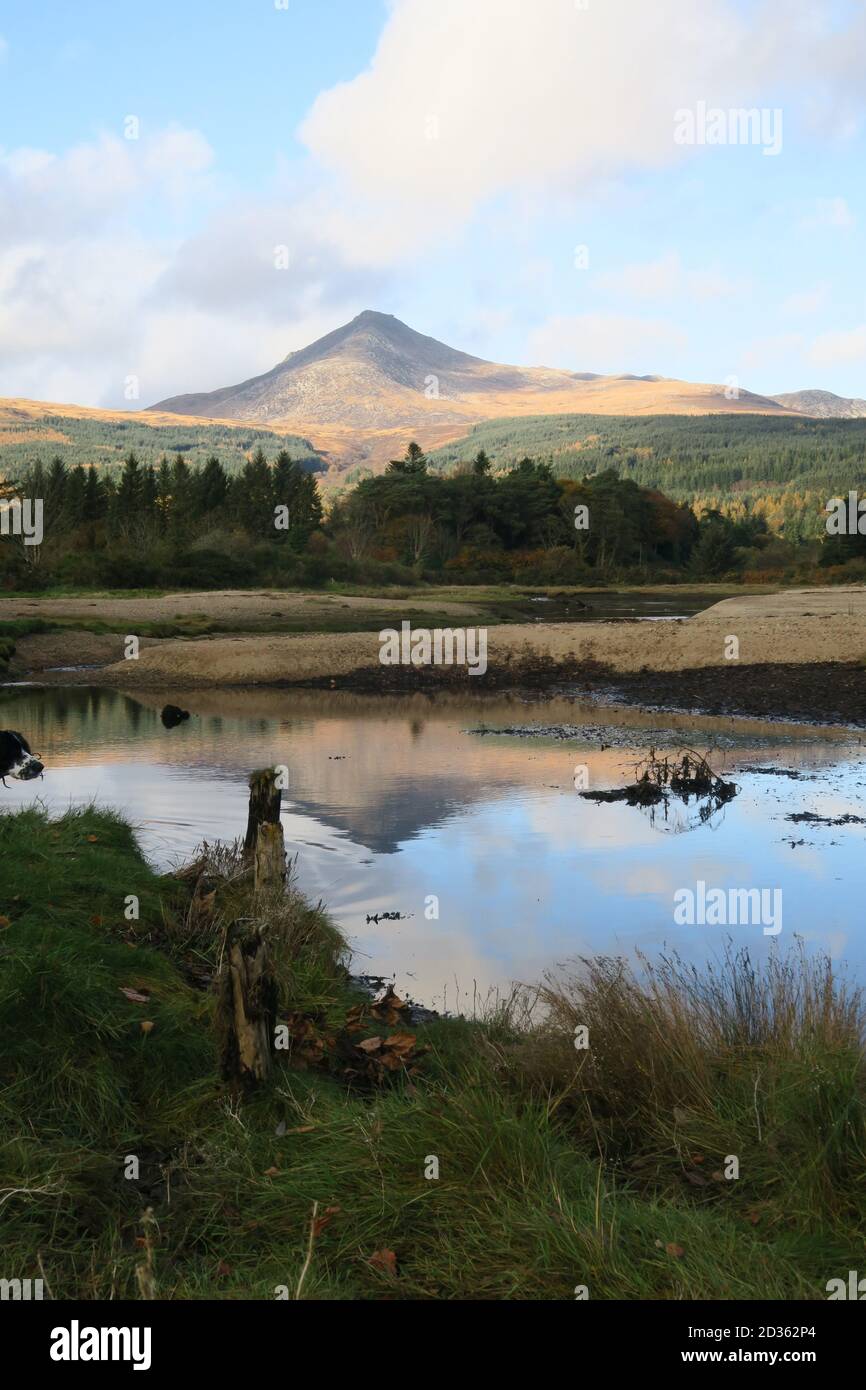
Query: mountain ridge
{"x": 368, "y": 383}
{"x": 822, "y": 405}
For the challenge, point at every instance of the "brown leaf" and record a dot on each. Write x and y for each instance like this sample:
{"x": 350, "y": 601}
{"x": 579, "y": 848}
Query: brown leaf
{"x": 5, "y": 921}
{"x": 133, "y": 995}
{"x": 388, "y": 1008}
{"x": 223, "y": 1269}
{"x": 302, "y": 1129}
{"x": 385, "y": 1261}
{"x": 400, "y": 1042}
{"x": 370, "y": 1044}
{"x": 272, "y": 1172}
{"x": 324, "y": 1220}
{"x": 673, "y": 1249}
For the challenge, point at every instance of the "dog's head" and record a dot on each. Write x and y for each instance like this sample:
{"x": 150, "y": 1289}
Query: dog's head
{"x": 16, "y": 759}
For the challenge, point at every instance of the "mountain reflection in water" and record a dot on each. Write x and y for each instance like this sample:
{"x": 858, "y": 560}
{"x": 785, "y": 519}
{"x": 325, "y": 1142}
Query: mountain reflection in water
{"x": 394, "y": 806}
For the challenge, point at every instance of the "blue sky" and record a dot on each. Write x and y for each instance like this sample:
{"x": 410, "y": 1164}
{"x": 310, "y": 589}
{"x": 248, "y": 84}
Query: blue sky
{"x": 442, "y": 162}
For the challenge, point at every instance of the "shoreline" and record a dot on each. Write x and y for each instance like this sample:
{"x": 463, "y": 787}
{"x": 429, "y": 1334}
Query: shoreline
{"x": 800, "y": 655}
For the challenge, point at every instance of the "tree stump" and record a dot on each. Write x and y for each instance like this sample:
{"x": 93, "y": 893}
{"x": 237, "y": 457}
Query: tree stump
{"x": 247, "y": 1010}
{"x": 269, "y": 868}
{"x": 265, "y": 797}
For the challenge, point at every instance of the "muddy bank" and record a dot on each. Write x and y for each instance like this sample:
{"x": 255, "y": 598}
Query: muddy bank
{"x": 829, "y": 692}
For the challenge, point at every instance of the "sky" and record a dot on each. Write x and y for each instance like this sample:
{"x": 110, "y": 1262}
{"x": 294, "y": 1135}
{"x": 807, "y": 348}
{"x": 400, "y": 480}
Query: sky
{"x": 189, "y": 192}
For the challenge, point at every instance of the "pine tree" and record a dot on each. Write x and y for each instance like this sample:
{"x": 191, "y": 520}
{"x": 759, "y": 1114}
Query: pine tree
{"x": 211, "y": 487}
{"x": 255, "y": 496}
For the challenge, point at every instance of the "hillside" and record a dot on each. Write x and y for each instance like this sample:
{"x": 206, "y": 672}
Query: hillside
{"x": 823, "y": 404}
{"x": 33, "y": 429}
{"x": 685, "y": 458}
{"x": 360, "y": 391}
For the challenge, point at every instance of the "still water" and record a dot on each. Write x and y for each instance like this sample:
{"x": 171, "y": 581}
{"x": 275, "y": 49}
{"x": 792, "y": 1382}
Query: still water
{"x": 402, "y": 805}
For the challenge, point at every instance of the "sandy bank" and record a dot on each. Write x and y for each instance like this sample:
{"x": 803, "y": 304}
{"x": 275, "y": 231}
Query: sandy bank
{"x": 801, "y": 626}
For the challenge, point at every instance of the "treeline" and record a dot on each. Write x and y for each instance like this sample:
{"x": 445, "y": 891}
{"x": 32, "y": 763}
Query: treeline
{"x": 175, "y": 526}
{"x": 528, "y": 526}
{"x": 172, "y": 524}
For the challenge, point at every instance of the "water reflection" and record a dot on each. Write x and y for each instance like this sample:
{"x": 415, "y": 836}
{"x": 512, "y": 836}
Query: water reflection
{"x": 482, "y": 842}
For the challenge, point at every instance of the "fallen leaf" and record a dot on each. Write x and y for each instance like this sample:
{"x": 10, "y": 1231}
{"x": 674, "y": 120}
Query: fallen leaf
{"x": 133, "y": 995}
{"x": 146, "y": 1025}
{"x": 5, "y": 921}
{"x": 92, "y": 839}
{"x": 673, "y": 1249}
{"x": 302, "y": 1129}
{"x": 223, "y": 1269}
{"x": 386, "y": 1261}
{"x": 271, "y": 1172}
{"x": 370, "y": 1044}
{"x": 325, "y": 1220}
{"x": 400, "y": 1042}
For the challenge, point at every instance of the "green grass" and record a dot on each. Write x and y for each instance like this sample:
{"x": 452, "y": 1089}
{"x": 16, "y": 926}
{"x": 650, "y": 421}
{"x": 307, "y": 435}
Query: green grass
{"x": 557, "y": 1168}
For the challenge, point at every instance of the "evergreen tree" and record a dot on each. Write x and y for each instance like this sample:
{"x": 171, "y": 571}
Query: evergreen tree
{"x": 481, "y": 464}
{"x": 415, "y": 461}
{"x": 211, "y": 487}
{"x": 255, "y": 496}
{"x": 76, "y": 497}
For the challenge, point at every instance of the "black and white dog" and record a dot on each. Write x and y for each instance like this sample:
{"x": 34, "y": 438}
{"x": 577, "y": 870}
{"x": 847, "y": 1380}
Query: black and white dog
{"x": 16, "y": 759}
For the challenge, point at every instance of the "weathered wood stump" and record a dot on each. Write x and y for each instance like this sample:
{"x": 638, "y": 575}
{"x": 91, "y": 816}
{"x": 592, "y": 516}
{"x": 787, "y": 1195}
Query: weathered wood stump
{"x": 247, "y": 1009}
{"x": 248, "y": 988}
{"x": 265, "y": 797}
{"x": 269, "y": 867}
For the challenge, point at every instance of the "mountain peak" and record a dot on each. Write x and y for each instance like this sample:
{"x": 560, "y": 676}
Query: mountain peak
{"x": 377, "y": 376}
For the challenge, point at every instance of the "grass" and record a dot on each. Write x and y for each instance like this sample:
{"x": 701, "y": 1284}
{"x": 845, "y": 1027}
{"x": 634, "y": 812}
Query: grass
{"x": 558, "y": 1167}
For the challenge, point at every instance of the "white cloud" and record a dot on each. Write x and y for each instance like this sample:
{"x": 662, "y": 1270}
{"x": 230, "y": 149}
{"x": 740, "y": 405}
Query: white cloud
{"x": 847, "y": 345}
{"x": 532, "y": 96}
{"x": 604, "y": 343}
{"x": 666, "y": 278}
{"x": 549, "y": 96}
